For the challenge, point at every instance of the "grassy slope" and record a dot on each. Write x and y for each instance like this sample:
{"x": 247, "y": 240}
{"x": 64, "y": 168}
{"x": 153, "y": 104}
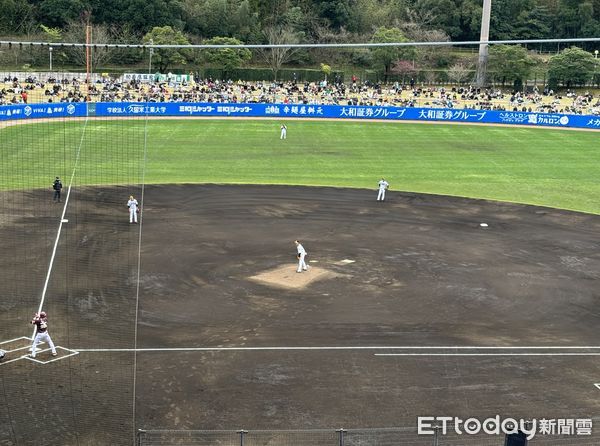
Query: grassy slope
{"x": 538, "y": 166}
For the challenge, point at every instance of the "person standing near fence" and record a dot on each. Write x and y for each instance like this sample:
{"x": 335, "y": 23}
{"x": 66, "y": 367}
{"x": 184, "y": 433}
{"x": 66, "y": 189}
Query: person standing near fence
{"x": 57, "y": 186}
{"x": 383, "y": 186}
{"x": 301, "y": 255}
{"x": 40, "y": 320}
{"x": 132, "y": 204}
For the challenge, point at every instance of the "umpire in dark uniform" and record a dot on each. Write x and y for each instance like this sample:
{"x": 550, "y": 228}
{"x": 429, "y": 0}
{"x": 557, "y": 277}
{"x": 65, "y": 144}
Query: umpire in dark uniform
{"x": 57, "y": 186}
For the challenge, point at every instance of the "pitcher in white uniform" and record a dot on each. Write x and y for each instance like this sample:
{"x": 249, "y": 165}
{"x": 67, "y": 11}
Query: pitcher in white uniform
{"x": 132, "y": 204}
{"x": 301, "y": 255}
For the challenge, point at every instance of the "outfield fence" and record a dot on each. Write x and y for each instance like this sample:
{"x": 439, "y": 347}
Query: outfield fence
{"x": 287, "y": 111}
{"x": 347, "y": 437}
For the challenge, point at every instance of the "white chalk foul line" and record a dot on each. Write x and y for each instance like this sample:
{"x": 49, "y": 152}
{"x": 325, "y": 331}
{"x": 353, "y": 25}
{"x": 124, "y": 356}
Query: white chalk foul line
{"x": 322, "y": 348}
{"x": 426, "y": 351}
{"x": 60, "y": 225}
{"x": 492, "y": 354}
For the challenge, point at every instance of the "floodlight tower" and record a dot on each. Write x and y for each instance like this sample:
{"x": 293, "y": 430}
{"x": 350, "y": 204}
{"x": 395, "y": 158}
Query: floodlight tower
{"x": 484, "y": 47}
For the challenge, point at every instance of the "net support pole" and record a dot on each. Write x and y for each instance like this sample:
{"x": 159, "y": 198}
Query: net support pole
{"x": 88, "y": 49}
{"x": 484, "y": 46}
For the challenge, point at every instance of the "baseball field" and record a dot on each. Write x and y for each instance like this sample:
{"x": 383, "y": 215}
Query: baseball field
{"x": 554, "y": 168}
{"x": 195, "y": 318}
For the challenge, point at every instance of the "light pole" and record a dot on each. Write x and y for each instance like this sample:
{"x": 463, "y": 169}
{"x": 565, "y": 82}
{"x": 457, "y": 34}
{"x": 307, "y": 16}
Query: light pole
{"x": 151, "y": 54}
{"x": 484, "y": 47}
{"x": 50, "y": 49}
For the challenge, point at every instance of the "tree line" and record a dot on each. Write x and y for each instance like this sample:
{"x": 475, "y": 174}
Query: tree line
{"x": 325, "y": 21}
{"x": 316, "y": 20}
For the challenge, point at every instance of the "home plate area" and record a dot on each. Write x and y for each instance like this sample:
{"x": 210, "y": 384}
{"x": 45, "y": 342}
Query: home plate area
{"x": 20, "y": 348}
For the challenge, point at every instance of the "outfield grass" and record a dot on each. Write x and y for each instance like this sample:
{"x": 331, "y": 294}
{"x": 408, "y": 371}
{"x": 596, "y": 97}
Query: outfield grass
{"x": 553, "y": 168}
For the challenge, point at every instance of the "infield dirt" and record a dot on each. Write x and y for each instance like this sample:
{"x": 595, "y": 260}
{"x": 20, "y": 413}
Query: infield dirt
{"x": 426, "y": 276}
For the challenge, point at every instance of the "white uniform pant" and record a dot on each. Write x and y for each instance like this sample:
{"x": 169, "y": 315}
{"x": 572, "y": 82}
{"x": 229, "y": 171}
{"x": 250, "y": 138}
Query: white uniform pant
{"x": 132, "y": 215}
{"x": 283, "y": 134}
{"x": 301, "y": 263}
{"x": 381, "y": 195}
{"x": 42, "y": 337}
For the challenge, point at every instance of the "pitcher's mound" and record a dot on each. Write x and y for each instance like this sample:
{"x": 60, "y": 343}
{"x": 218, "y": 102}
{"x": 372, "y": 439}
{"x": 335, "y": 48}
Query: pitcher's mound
{"x": 286, "y": 277}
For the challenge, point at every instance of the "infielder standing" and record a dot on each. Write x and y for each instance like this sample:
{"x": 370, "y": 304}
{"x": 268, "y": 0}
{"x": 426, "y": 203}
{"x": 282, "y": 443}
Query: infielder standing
{"x": 132, "y": 204}
{"x": 283, "y": 132}
{"x": 383, "y": 186}
{"x": 301, "y": 254}
{"x": 40, "y": 320}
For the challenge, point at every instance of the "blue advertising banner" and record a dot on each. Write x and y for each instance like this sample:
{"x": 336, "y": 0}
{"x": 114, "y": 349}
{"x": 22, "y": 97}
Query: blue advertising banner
{"x": 284, "y": 111}
{"x": 36, "y": 111}
{"x": 349, "y": 112}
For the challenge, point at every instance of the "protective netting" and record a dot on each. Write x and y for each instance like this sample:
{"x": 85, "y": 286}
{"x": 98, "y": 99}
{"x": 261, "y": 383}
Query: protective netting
{"x": 78, "y": 259}
{"x": 80, "y": 250}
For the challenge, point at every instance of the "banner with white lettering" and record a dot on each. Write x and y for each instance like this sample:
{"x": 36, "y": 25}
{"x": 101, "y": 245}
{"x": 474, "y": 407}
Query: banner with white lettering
{"x": 284, "y": 111}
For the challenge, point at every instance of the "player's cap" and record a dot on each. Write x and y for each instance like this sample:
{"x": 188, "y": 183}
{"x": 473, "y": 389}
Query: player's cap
{"x": 43, "y": 314}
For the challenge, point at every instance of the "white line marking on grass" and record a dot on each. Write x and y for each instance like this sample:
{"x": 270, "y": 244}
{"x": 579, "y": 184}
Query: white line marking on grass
{"x": 60, "y": 225}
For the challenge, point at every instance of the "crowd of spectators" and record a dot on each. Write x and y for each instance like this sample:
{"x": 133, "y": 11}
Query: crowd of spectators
{"x": 106, "y": 89}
